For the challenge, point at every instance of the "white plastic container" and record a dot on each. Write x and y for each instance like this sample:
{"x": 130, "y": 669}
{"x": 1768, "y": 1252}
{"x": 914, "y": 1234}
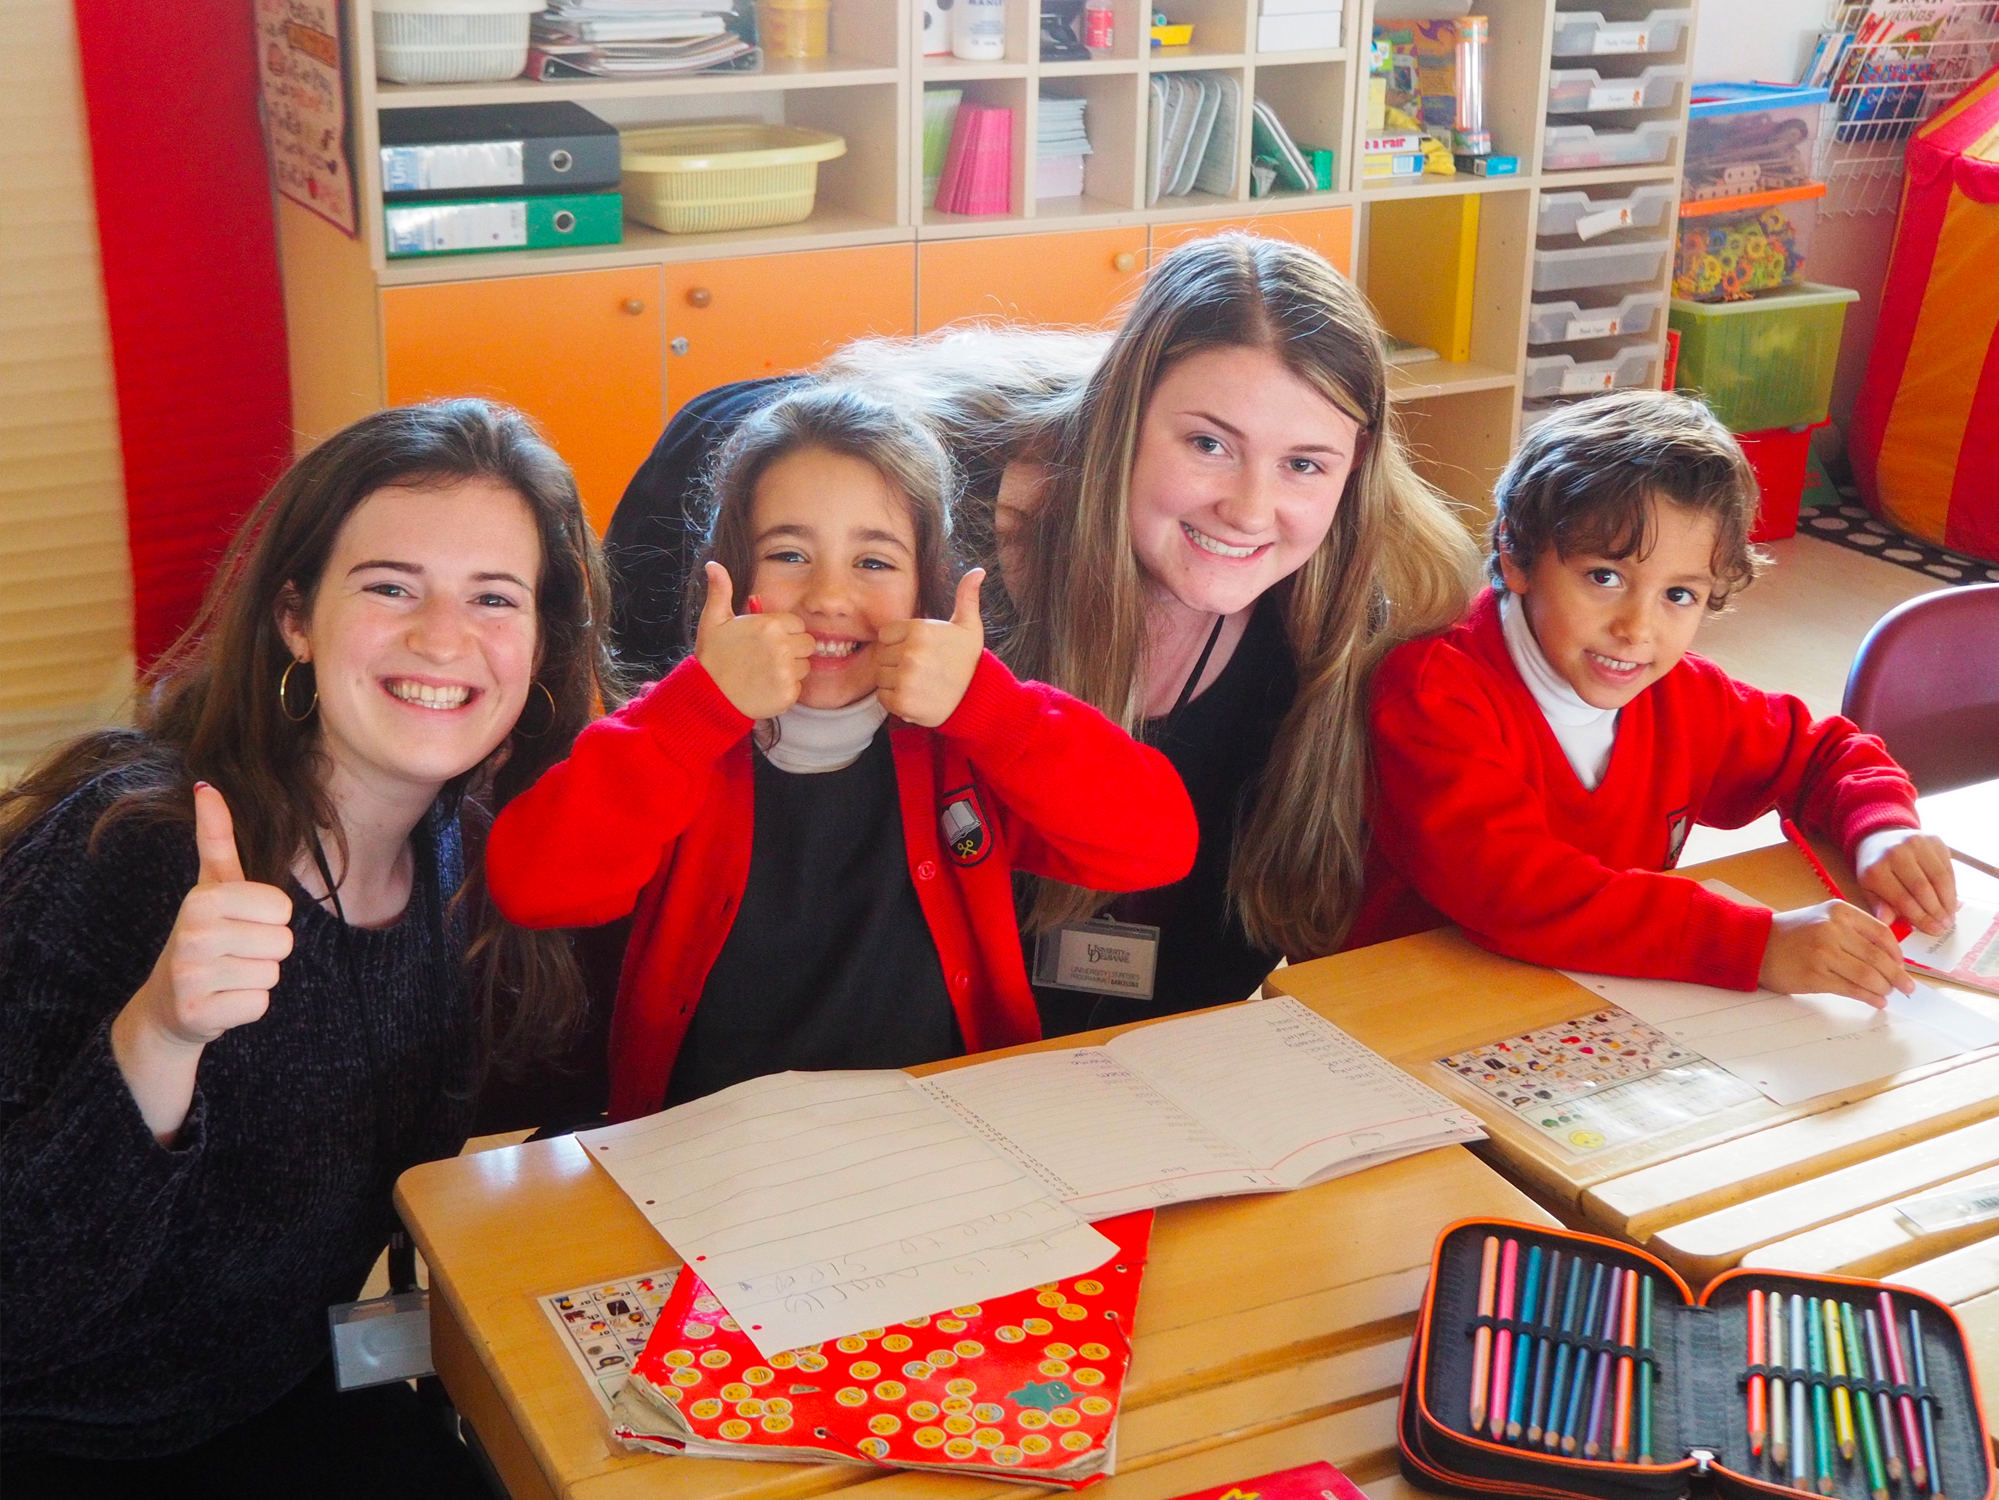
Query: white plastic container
{"x": 1617, "y": 264}
{"x": 1574, "y": 148}
{"x": 452, "y": 41}
{"x": 1579, "y": 91}
{"x": 1566, "y": 322}
{"x": 978, "y": 30}
{"x": 1564, "y": 375}
{"x": 1579, "y": 214}
{"x": 1589, "y": 33}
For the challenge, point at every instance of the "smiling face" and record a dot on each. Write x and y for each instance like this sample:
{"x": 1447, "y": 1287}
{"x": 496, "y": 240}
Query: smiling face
{"x": 422, "y": 631}
{"x": 834, "y": 545}
{"x": 1239, "y": 471}
{"x": 1614, "y": 626}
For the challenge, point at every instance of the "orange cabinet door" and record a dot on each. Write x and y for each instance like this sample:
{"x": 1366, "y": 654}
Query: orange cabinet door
{"x": 1079, "y": 276}
{"x": 767, "y": 314}
{"x": 578, "y": 351}
{"x": 1326, "y": 230}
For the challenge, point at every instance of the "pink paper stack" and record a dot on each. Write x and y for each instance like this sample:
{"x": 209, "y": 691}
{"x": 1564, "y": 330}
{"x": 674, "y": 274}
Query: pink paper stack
{"x": 978, "y": 164}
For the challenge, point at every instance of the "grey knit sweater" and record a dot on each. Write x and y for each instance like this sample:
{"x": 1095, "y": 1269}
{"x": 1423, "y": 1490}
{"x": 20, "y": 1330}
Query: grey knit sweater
{"x": 152, "y": 1296}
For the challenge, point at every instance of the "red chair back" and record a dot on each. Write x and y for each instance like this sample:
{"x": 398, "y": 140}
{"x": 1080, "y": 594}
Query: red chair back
{"x": 1926, "y": 680}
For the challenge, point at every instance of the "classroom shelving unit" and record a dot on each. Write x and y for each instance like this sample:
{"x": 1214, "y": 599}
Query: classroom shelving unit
{"x": 602, "y": 344}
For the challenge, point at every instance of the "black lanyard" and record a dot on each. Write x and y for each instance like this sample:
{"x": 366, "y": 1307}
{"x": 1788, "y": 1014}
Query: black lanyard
{"x": 1200, "y": 666}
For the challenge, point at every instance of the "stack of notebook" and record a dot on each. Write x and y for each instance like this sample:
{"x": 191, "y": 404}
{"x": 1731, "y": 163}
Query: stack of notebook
{"x": 635, "y": 38}
{"x": 1192, "y": 134}
{"x": 977, "y": 177}
{"x": 940, "y": 117}
{"x": 1061, "y": 143}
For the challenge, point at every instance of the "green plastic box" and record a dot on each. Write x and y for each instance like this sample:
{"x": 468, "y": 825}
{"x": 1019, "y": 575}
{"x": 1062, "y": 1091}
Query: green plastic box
{"x": 1767, "y": 362}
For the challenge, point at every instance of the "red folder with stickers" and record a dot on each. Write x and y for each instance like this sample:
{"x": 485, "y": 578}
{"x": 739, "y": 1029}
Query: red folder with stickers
{"x": 1023, "y": 1387}
{"x": 1319, "y": 1481}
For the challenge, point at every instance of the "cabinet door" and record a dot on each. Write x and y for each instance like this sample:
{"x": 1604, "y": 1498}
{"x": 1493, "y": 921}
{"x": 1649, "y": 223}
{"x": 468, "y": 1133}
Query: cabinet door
{"x": 1079, "y": 276}
{"x": 766, "y": 314}
{"x": 578, "y": 351}
{"x": 1326, "y": 230}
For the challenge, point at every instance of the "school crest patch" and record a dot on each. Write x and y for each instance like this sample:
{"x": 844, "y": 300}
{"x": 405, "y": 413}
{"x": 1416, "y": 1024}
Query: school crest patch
{"x": 1678, "y": 825}
{"x": 961, "y": 822}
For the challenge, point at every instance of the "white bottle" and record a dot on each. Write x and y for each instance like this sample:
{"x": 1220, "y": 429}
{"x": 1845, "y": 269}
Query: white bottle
{"x": 978, "y": 31}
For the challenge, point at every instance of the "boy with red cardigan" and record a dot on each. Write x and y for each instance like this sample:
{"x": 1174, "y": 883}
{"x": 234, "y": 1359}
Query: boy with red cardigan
{"x": 1539, "y": 766}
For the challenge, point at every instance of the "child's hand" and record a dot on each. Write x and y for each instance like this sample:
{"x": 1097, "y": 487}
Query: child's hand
{"x": 758, "y": 661}
{"x": 926, "y": 665}
{"x": 1908, "y": 874}
{"x": 1833, "y": 948}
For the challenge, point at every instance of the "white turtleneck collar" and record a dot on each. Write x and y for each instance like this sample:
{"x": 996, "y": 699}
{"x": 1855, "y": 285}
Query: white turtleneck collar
{"x": 810, "y": 740}
{"x": 1584, "y": 731}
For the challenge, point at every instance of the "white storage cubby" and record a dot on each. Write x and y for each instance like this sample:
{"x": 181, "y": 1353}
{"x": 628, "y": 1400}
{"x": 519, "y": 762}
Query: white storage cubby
{"x": 1621, "y": 263}
{"x": 1589, "y": 215}
{"x": 1590, "y": 33}
{"x": 1564, "y": 375}
{"x": 1578, "y": 148}
{"x": 1580, "y": 91}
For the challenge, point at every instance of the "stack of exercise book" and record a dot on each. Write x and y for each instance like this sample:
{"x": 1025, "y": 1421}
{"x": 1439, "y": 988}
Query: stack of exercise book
{"x": 978, "y": 165}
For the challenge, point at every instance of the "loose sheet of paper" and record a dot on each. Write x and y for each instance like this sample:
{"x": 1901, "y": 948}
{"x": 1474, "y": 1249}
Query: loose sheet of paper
{"x": 1969, "y": 952}
{"x": 1796, "y": 1047}
{"x": 605, "y": 1327}
{"x": 818, "y": 1204}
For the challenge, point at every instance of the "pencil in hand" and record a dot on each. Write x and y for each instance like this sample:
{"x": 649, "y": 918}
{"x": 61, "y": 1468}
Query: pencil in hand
{"x": 1481, "y": 1342}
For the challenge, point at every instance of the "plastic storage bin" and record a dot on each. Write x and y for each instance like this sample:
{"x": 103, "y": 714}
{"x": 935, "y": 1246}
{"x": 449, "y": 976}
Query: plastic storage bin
{"x": 1572, "y": 148}
{"x": 1732, "y": 246}
{"x": 1589, "y": 33}
{"x": 1600, "y": 265}
{"x": 452, "y": 41}
{"x": 1576, "y": 91}
{"x": 1781, "y": 459}
{"x": 1749, "y": 138}
{"x": 1766, "y": 362}
{"x": 1580, "y": 214}
{"x": 1567, "y": 321}
{"x": 794, "y": 28}
{"x": 1565, "y": 375}
{"x": 693, "y": 179}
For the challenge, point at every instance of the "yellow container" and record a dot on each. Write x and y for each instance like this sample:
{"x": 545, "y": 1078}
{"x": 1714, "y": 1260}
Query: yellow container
{"x": 793, "y": 28}
{"x": 695, "y": 179}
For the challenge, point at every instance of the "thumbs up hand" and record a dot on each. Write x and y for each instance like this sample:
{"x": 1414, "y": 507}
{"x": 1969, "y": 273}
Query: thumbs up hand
{"x": 926, "y": 665}
{"x": 758, "y": 661}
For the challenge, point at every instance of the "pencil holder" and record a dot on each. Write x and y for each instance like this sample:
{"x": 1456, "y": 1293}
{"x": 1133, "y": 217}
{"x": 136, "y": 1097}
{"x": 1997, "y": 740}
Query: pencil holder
{"x": 1554, "y": 1364}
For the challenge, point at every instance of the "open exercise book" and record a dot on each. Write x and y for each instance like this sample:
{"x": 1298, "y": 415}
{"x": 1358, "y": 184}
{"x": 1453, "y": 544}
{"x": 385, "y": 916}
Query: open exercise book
{"x": 816, "y": 1205}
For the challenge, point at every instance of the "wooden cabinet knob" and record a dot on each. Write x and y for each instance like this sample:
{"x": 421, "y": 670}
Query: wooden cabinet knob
{"x": 634, "y": 305}
{"x": 699, "y": 296}
{"x": 1125, "y": 262}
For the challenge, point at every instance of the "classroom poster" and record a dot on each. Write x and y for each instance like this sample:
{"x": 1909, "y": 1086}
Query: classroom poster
{"x": 304, "y": 88}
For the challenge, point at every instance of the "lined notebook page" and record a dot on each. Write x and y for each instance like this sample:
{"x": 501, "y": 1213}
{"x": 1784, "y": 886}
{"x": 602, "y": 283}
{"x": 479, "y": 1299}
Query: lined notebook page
{"x": 818, "y": 1204}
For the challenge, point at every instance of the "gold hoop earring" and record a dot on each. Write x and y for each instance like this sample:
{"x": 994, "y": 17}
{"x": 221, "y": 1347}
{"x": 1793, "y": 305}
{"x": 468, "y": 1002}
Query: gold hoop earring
{"x": 553, "y": 714}
{"x": 284, "y": 684}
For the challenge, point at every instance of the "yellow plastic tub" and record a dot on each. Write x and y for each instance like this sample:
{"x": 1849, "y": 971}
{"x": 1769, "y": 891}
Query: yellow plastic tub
{"x": 794, "y": 28}
{"x": 695, "y": 179}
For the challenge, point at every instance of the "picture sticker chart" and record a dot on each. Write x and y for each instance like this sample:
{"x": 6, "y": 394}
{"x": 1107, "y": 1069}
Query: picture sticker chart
{"x": 605, "y": 1327}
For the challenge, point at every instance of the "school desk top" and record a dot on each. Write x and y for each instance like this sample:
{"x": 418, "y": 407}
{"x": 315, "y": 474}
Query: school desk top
{"x": 1271, "y": 1330}
{"x": 1968, "y": 820}
{"x": 1809, "y": 1187}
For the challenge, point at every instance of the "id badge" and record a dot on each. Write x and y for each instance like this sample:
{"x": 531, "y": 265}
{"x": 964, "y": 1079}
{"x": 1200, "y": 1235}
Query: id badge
{"x": 380, "y": 1340}
{"x": 1102, "y": 957}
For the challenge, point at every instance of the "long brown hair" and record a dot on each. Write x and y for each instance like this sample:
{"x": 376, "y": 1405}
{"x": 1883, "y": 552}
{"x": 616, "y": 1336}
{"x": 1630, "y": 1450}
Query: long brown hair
{"x": 210, "y": 707}
{"x": 1397, "y": 563}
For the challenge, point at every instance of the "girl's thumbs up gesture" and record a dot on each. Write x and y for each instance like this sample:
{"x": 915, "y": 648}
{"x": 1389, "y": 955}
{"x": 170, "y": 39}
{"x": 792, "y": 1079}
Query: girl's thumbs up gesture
{"x": 926, "y": 665}
{"x": 215, "y": 972}
{"x": 758, "y": 661}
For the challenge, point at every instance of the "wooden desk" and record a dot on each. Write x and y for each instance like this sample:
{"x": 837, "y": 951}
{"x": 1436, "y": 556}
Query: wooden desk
{"x": 1270, "y": 1331}
{"x": 1968, "y": 820}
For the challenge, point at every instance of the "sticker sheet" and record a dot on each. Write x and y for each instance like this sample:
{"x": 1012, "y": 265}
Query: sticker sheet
{"x": 1634, "y": 1111}
{"x": 605, "y": 1327}
{"x": 1575, "y": 1059}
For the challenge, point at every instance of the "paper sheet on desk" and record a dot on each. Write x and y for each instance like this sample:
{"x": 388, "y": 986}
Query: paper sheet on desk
{"x": 818, "y": 1204}
{"x": 1796, "y": 1047}
{"x": 1969, "y": 952}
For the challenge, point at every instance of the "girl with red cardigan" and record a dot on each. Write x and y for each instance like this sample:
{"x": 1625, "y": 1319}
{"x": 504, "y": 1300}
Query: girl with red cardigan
{"x": 816, "y": 817}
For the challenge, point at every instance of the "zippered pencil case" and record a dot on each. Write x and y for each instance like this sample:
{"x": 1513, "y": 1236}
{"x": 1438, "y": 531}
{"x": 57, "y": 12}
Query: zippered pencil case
{"x": 1553, "y": 1364}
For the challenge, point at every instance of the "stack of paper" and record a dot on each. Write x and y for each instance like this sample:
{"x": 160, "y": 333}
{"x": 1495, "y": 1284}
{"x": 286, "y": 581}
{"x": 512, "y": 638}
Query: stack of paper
{"x": 977, "y": 176}
{"x": 1194, "y": 123}
{"x": 634, "y": 38}
{"x": 1061, "y": 143}
{"x": 940, "y": 115}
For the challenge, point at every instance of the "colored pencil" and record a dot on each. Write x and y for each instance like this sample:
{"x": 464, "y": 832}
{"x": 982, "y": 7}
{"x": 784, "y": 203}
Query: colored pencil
{"x": 1502, "y": 1344}
{"x": 1579, "y": 1366}
{"x": 1551, "y": 1432}
{"x": 1544, "y": 1348}
{"x": 1800, "y": 1438}
{"x": 1645, "y": 1369}
{"x": 1919, "y": 1472}
{"x": 1523, "y": 1346}
{"x": 1600, "y": 1386}
{"x": 1481, "y": 1341}
{"x": 1919, "y": 1367}
{"x": 1821, "y": 1416}
{"x": 1757, "y": 1383}
{"x": 1863, "y": 1409}
{"x": 1835, "y": 1364}
{"x": 1884, "y": 1404}
{"x": 1620, "y": 1422}
{"x": 1780, "y": 1413}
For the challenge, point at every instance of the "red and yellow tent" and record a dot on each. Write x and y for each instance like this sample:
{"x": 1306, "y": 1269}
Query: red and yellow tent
{"x": 1925, "y": 434}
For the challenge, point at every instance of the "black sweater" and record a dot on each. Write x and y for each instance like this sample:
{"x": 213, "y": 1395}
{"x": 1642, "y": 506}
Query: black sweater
{"x": 153, "y": 1296}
